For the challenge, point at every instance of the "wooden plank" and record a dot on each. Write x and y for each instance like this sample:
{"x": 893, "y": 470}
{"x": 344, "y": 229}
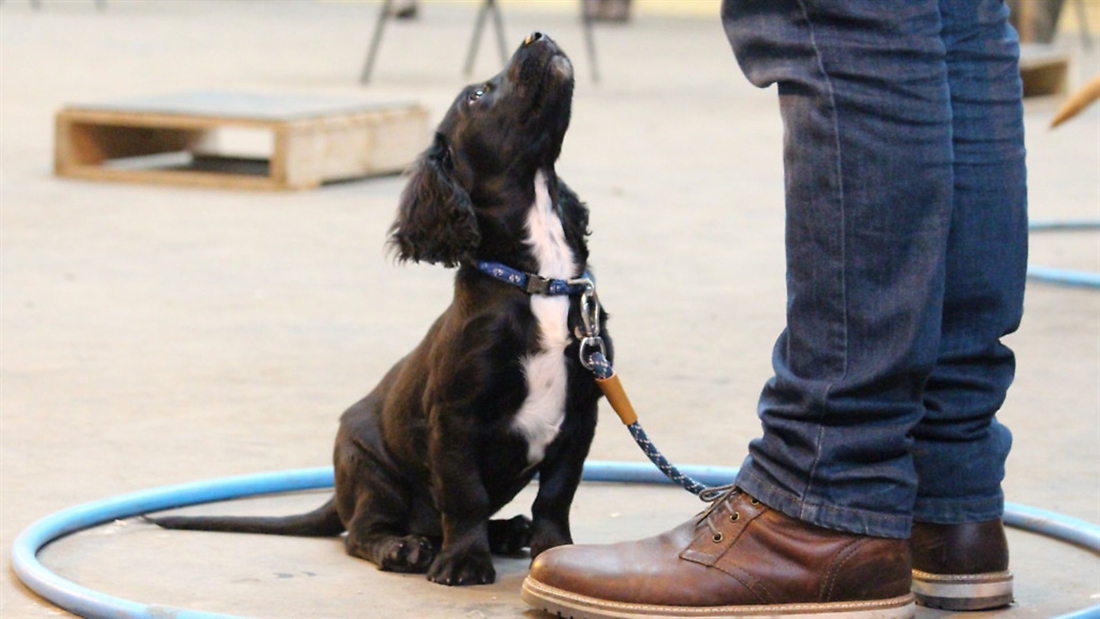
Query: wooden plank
{"x": 134, "y": 119}
{"x": 177, "y": 177}
{"x": 269, "y": 107}
{"x": 279, "y": 157}
{"x": 398, "y": 137}
{"x": 349, "y": 147}
{"x": 89, "y": 143}
{"x": 1044, "y": 71}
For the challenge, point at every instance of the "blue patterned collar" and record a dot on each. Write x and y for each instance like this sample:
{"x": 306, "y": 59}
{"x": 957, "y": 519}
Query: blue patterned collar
{"x": 532, "y": 283}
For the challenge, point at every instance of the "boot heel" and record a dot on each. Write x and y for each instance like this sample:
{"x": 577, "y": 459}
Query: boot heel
{"x": 963, "y": 591}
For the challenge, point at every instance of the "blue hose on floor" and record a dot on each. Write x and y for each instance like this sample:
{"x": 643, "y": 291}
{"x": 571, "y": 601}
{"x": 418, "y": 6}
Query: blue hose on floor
{"x": 1067, "y": 277}
{"x": 94, "y": 604}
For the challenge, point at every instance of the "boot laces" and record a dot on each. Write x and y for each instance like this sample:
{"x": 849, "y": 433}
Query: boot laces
{"x": 718, "y": 496}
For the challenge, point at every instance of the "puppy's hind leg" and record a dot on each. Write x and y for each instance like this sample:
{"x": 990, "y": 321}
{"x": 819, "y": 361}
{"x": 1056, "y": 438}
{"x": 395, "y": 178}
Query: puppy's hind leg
{"x": 509, "y": 537}
{"x": 388, "y": 544}
{"x": 412, "y": 554}
{"x": 379, "y": 529}
{"x": 378, "y": 509}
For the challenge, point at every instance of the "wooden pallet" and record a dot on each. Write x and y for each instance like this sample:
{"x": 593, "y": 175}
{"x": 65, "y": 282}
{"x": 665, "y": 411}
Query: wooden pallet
{"x": 306, "y": 140}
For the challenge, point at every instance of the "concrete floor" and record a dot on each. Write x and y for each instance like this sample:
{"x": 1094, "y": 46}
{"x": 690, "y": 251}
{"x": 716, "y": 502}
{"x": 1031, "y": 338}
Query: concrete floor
{"x": 153, "y": 335}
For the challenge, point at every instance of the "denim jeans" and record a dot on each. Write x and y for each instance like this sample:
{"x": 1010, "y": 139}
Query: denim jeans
{"x": 906, "y": 238}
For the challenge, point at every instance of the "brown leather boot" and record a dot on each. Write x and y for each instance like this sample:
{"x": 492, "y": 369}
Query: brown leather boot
{"x": 961, "y": 566}
{"x": 738, "y": 559}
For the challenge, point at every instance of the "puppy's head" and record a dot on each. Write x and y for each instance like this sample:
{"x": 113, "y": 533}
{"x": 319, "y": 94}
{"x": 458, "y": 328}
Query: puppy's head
{"x": 495, "y": 135}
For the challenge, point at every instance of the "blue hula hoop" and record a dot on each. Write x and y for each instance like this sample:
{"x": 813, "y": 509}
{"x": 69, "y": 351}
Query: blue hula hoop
{"x": 1066, "y": 277}
{"x": 95, "y": 605}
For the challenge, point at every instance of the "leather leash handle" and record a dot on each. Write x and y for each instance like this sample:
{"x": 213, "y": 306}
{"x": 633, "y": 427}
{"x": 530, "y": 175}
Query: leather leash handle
{"x": 616, "y": 396}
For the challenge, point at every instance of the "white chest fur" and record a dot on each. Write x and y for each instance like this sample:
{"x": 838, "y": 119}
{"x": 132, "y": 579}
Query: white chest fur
{"x": 540, "y": 416}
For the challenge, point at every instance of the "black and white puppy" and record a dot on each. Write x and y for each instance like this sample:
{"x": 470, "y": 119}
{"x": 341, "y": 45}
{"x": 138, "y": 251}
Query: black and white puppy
{"x": 495, "y": 392}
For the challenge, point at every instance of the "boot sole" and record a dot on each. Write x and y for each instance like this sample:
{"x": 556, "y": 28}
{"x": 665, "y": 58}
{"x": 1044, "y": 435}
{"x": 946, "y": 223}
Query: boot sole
{"x": 573, "y": 606}
{"x": 963, "y": 591}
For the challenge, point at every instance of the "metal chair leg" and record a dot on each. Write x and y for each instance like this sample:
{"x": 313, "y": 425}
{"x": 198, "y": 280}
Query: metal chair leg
{"x": 488, "y": 6}
{"x": 590, "y": 43}
{"x": 501, "y": 41}
{"x": 1083, "y": 24}
{"x": 482, "y": 13}
{"x": 379, "y": 26}
{"x": 37, "y": 4}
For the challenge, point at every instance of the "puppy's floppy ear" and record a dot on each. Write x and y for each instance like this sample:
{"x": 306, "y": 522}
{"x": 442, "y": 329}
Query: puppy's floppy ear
{"x": 574, "y": 220}
{"x": 435, "y": 219}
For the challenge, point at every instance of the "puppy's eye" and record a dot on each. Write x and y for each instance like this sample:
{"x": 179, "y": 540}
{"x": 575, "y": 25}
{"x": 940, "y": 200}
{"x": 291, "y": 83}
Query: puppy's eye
{"x": 477, "y": 94}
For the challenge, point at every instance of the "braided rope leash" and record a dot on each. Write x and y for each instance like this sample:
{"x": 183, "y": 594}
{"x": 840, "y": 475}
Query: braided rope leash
{"x": 593, "y": 355}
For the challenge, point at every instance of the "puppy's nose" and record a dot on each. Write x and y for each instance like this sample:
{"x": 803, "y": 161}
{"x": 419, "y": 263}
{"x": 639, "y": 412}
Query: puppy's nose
{"x": 534, "y": 36}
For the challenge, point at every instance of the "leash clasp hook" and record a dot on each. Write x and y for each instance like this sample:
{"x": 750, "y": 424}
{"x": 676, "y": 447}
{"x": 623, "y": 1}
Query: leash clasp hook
{"x": 590, "y": 307}
{"x": 589, "y": 333}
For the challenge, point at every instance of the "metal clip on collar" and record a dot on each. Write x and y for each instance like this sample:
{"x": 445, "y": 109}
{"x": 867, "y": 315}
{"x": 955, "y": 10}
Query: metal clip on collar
{"x": 536, "y": 284}
{"x": 591, "y": 342}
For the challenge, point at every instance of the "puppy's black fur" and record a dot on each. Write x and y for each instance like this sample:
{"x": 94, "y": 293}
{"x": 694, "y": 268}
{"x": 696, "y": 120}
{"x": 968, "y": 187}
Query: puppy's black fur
{"x": 439, "y": 446}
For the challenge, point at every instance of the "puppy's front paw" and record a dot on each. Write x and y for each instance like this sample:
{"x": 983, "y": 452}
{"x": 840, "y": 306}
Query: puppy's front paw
{"x": 468, "y": 568}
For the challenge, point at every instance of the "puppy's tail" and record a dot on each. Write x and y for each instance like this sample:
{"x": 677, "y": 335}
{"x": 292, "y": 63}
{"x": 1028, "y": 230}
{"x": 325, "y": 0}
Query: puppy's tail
{"x": 321, "y": 522}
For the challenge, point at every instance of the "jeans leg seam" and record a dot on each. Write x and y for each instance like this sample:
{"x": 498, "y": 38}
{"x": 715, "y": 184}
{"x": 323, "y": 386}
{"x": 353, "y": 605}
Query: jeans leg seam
{"x": 839, "y": 177}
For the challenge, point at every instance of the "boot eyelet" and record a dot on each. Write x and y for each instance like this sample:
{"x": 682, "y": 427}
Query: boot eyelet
{"x": 717, "y": 537}
{"x": 754, "y": 502}
{"x": 735, "y": 516}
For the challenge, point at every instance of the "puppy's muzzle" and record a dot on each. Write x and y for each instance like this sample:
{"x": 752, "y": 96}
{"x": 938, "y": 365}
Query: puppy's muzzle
{"x": 559, "y": 63}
